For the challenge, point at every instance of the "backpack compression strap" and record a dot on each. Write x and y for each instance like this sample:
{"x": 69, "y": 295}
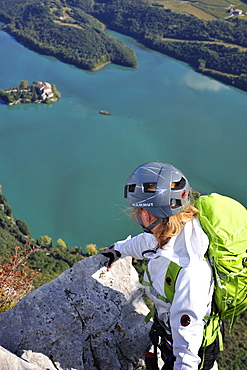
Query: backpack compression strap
{"x": 170, "y": 280}
{"x": 212, "y": 323}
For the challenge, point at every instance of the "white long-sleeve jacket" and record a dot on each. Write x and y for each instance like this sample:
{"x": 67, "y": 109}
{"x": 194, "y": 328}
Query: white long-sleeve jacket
{"x": 193, "y": 289}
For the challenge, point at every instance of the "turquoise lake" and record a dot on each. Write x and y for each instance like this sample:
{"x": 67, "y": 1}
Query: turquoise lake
{"x": 63, "y": 167}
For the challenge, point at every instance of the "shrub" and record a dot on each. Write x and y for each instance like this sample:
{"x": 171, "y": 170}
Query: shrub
{"x": 16, "y": 278}
{"x": 24, "y": 229}
{"x": 91, "y": 249}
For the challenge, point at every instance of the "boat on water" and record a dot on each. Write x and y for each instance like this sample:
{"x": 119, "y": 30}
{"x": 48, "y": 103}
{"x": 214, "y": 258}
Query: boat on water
{"x": 105, "y": 112}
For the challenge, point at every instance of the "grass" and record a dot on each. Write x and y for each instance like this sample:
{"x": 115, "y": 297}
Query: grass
{"x": 219, "y": 13}
{"x": 206, "y": 9}
{"x": 183, "y": 7}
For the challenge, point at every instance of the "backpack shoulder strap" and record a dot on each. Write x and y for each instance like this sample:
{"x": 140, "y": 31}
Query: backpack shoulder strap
{"x": 212, "y": 328}
{"x": 170, "y": 280}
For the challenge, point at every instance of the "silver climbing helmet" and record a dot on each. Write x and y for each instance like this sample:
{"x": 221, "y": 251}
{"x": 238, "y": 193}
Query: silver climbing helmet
{"x": 160, "y": 188}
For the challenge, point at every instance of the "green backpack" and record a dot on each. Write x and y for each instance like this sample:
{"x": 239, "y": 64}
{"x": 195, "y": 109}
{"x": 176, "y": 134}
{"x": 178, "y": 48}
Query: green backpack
{"x": 224, "y": 220}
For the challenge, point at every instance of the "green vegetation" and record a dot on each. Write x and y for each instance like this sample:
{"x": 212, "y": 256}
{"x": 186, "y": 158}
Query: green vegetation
{"x": 234, "y": 355}
{"x": 208, "y": 9}
{"x": 69, "y": 33}
{"x": 51, "y": 260}
{"x": 205, "y": 35}
{"x": 220, "y": 44}
{"x": 44, "y": 256}
{"x": 10, "y": 233}
{"x": 40, "y": 93}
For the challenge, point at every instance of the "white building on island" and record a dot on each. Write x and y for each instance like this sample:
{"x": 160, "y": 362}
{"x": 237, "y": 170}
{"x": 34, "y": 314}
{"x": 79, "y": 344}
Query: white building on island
{"x": 44, "y": 89}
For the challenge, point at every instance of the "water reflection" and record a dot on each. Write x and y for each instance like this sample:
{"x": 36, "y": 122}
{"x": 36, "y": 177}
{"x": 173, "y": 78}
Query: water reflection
{"x": 200, "y": 82}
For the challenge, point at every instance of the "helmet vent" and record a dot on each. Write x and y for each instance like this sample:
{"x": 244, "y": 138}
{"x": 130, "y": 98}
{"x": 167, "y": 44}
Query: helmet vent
{"x": 132, "y": 188}
{"x": 149, "y": 187}
{"x": 175, "y": 203}
{"x": 129, "y": 189}
{"x": 179, "y": 184}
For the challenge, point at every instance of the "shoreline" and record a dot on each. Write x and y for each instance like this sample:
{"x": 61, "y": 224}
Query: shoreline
{"x": 100, "y": 66}
{"x": 235, "y": 81}
{"x": 36, "y": 93}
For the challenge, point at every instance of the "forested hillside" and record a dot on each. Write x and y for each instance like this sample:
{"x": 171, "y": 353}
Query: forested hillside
{"x": 74, "y": 31}
{"x": 50, "y": 259}
{"x": 217, "y": 48}
{"x": 234, "y": 356}
{"x": 67, "y": 33}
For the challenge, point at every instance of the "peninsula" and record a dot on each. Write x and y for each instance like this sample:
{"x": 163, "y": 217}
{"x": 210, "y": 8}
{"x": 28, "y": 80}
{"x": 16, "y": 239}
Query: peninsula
{"x": 211, "y": 38}
{"x": 38, "y": 92}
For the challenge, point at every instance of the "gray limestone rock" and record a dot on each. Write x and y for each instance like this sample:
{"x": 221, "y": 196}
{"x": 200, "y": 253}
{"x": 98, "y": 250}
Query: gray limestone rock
{"x": 8, "y": 361}
{"x": 88, "y": 318}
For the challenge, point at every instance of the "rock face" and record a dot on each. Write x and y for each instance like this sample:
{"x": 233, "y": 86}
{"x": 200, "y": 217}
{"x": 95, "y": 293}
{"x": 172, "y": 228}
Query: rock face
{"x": 88, "y": 318}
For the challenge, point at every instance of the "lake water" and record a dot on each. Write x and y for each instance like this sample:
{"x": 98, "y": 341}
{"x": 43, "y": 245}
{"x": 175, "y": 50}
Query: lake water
{"x": 63, "y": 167}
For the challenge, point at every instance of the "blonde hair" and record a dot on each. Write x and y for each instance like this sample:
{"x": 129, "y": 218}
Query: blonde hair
{"x": 173, "y": 225}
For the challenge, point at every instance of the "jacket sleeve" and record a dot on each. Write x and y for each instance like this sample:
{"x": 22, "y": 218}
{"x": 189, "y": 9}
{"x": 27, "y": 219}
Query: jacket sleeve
{"x": 192, "y": 301}
{"x": 135, "y": 246}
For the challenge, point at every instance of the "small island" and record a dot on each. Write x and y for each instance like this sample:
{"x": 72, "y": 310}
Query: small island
{"x": 38, "y": 92}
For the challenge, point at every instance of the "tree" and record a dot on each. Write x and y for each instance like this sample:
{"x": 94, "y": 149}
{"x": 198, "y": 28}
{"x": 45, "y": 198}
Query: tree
{"x": 24, "y": 229}
{"x": 45, "y": 241}
{"x": 24, "y": 84}
{"x": 75, "y": 250}
{"x": 34, "y": 94}
{"x": 91, "y": 249}
{"x": 8, "y": 210}
{"x": 3, "y": 199}
{"x": 201, "y": 64}
{"x": 62, "y": 245}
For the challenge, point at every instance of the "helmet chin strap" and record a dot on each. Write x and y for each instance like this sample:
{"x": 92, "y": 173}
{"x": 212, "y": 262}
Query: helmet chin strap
{"x": 149, "y": 228}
